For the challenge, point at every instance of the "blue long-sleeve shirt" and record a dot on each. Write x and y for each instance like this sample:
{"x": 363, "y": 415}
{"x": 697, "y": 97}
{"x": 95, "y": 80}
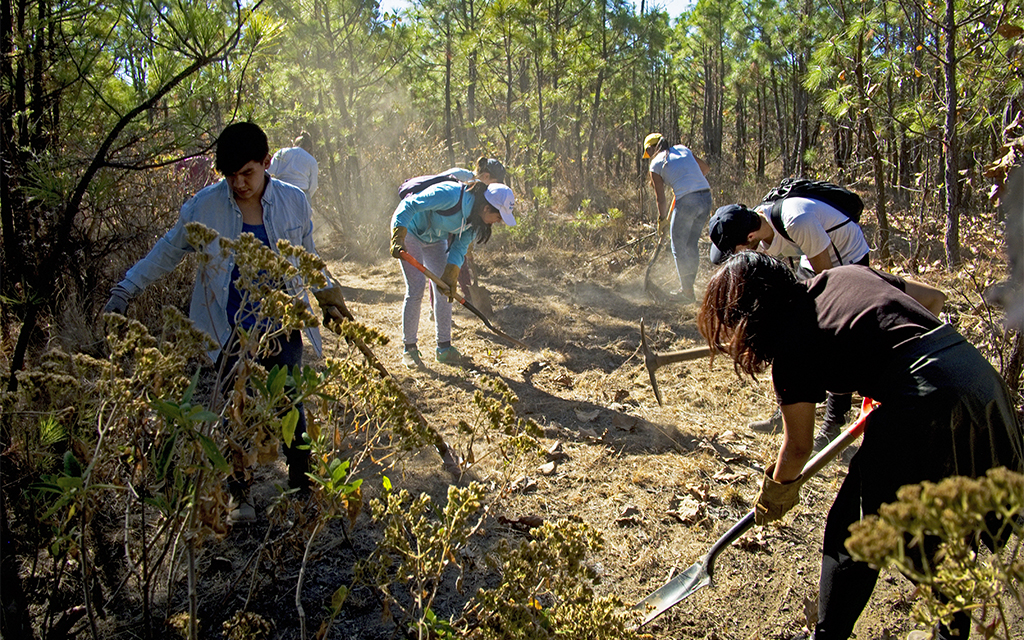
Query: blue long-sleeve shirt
{"x": 420, "y": 214}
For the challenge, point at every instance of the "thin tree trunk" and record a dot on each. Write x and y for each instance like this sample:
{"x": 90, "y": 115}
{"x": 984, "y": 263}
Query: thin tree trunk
{"x": 951, "y": 241}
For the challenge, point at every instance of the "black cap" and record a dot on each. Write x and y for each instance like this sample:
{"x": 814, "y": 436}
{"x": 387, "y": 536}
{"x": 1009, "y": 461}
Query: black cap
{"x": 729, "y": 227}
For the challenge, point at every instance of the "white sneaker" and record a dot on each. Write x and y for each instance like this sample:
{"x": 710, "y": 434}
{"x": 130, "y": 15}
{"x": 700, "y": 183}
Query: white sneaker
{"x": 243, "y": 511}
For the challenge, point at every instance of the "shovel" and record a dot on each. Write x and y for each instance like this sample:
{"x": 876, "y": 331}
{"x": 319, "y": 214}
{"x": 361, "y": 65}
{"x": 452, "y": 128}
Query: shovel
{"x": 700, "y": 574}
{"x": 454, "y": 294}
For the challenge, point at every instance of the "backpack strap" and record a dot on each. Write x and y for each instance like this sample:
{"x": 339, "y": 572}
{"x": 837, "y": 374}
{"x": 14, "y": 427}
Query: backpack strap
{"x": 776, "y": 218}
{"x": 452, "y": 210}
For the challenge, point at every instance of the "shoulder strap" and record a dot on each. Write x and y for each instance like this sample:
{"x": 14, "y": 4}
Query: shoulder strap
{"x": 458, "y": 205}
{"x": 776, "y": 217}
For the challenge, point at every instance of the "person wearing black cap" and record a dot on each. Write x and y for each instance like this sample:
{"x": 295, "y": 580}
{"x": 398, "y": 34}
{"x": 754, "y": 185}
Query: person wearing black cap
{"x": 685, "y": 173}
{"x": 822, "y": 237}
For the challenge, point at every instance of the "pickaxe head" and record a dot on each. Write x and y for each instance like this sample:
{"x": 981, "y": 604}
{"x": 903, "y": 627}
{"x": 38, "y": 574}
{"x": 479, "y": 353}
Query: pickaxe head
{"x": 650, "y": 361}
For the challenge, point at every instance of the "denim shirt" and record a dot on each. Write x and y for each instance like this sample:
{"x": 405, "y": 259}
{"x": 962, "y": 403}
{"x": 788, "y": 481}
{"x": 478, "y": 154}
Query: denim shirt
{"x": 286, "y": 215}
{"x": 419, "y": 214}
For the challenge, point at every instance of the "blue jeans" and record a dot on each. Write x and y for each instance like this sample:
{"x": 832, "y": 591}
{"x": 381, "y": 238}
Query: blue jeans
{"x": 287, "y": 352}
{"x": 689, "y": 217}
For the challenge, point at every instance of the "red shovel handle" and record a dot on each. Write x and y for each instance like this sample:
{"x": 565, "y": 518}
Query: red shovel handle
{"x": 432, "y": 277}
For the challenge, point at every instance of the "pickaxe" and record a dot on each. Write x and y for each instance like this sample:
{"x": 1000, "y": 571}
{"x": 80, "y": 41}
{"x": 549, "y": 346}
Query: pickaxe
{"x": 654, "y": 360}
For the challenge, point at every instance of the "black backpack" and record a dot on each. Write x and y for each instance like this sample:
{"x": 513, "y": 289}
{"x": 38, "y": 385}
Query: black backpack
{"x": 419, "y": 183}
{"x": 843, "y": 200}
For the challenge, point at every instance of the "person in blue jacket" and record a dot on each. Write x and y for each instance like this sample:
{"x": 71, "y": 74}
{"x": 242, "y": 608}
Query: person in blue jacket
{"x": 421, "y": 225}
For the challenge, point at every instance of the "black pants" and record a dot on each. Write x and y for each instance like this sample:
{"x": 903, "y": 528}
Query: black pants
{"x": 943, "y": 411}
{"x": 287, "y": 352}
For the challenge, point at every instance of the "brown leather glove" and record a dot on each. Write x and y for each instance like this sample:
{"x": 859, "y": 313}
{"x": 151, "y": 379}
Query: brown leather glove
{"x": 451, "y": 278}
{"x": 663, "y": 225}
{"x": 775, "y": 498}
{"x": 332, "y": 303}
{"x": 398, "y": 241}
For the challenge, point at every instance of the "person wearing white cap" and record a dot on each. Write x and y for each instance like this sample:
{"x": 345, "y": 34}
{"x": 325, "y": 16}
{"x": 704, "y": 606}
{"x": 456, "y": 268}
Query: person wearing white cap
{"x": 421, "y": 225}
{"x": 684, "y": 172}
{"x": 488, "y": 171}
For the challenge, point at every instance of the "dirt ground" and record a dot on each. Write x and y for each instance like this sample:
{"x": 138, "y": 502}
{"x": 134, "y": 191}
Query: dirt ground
{"x": 661, "y": 483}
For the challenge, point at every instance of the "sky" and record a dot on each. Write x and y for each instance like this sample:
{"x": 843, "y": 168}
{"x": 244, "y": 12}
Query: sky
{"x": 673, "y": 7}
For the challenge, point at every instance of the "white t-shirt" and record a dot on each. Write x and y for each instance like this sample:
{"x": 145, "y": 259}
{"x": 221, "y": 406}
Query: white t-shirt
{"x": 807, "y": 222}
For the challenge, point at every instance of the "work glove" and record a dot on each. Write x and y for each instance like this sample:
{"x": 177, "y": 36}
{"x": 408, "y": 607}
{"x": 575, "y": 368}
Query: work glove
{"x": 398, "y": 241}
{"x": 451, "y": 278}
{"x": 775, "y": 498}
{"x": 118, "y": 302}
{"x": 332, "y": 303}
{"x": 663, "y": 225}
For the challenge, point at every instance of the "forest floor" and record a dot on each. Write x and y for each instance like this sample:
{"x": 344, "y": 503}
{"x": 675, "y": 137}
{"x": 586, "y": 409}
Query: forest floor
{"x": 661, "y": 483}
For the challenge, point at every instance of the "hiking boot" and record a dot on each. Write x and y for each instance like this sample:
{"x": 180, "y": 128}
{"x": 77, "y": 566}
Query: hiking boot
{"x": 451, "y": 356}
{"x": 828, "y": 432}
{"x": 411, "y": 359}
{"x": 243, "y": 512}
{"x": 770, "y": 426}
{"x": 682, "y": 296}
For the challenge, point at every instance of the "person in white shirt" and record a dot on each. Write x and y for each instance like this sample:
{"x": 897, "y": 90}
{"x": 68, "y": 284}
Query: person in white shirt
{"x": 822, "y": 236}
{"x": 296, "y": 165}
{"x": 684, "y": 173}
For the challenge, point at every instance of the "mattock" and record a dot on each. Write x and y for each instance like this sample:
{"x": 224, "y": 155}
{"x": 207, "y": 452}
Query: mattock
{"x": 654, "y": 360}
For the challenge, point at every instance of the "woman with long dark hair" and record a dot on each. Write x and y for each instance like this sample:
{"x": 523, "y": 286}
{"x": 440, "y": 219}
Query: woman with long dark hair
{"x": 943, "y": 410}
{"x": 421, "y": 225}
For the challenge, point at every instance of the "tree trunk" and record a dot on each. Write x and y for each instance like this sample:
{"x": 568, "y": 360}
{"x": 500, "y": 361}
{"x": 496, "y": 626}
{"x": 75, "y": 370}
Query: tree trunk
{"x": 951, "y": 241}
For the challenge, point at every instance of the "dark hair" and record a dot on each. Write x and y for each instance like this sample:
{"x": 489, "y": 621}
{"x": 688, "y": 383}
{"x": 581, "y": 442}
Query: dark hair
{"x": 476, "y": 219}
{"x": 492, "y": 166}
{"x": 304, "y": 141}
{"x": 753, "y": 308}
{"x": 238, "y": 145}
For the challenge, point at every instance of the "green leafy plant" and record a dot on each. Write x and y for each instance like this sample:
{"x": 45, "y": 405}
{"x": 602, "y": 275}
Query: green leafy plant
{"x": 547, "y": 590}
{"x": 419, "y": 543}
{"x": 502, "y": 432}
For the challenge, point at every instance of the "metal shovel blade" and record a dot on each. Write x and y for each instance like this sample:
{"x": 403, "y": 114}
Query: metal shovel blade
{"x": 676, "y": 590}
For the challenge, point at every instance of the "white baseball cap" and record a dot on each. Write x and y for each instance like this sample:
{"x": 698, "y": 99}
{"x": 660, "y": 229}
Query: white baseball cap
{"x": 501, "y": 198}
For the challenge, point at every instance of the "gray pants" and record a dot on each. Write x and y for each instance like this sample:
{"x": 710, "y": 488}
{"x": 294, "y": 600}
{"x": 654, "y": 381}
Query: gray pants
{"x": 434, "y": 257}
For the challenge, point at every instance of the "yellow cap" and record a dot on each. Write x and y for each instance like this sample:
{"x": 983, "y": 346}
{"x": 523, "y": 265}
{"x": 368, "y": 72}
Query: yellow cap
{"x": 649, "y": 142}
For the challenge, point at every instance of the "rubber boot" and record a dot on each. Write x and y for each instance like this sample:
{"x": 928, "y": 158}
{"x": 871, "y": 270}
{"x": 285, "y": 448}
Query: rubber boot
{"x": 242, "y": 509}
{"x": 836, "y": 408}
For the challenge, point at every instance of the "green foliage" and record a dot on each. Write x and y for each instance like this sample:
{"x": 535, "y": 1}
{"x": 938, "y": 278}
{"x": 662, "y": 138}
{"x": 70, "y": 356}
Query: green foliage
{"x": 957, "y": 513}
{"x": 420, "y": 541}
{"x": 498, "y": 429}
{"x": 547, "y": 590}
